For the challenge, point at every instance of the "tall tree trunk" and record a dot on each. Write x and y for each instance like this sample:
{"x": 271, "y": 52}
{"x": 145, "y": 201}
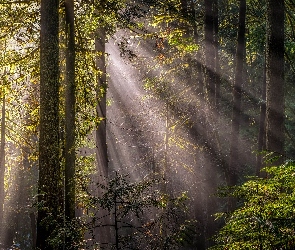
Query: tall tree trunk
{"x": 49, "y": 167}
{"x": 33, "y": 229}
{"x": 209, "y": 52}
{"x": 209, "y": 144}
{"x": 101, "y": 145}
{"x": 70, "y": 155}
{"x": 2, "y": 167}
{"x": 275, "y": 79}
{"x": 217, "y": 78}
{"x": 185, "y": 14}
{"x": 102, "y": 234}
{"x": 261, "y": 135}
{"x": 197, "y": 61}
{"x": 237, "y": 95}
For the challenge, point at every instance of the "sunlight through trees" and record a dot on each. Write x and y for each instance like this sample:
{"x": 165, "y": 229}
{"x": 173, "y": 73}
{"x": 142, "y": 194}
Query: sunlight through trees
{"x": 147, "y": 124}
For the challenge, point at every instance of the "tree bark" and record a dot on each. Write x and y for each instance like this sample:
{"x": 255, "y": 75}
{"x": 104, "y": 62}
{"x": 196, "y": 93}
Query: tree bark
{"x": 232, "y": 174}
{"x": 70, "y": 155}
{"x": 261, "y": 135}
{"x": 49, "y": 167}
{"x": 209, "y": 52}
{"x": 275, "y": 79}
{"x": 70, "y": 101}
{"x": 101, "y": 145}
{"x": 217, "y": 78}
{"x": 2, "y": 166}
{"x": 103, "y": 234}
{"x": 197, "y": 61}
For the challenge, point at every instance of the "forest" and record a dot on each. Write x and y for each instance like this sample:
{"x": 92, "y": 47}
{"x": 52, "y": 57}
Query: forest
{"x": 147, "y": 125}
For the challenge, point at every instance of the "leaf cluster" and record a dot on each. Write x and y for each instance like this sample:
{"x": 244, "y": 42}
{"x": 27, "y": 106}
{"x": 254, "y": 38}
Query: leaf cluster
{"x": 265, "y": 220}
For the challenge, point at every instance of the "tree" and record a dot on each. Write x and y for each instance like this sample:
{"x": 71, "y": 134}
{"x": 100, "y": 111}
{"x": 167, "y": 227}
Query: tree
{"x": 232, "y": 173}
{"x": 209, "y": 51}
{"x": 126, "y": 203}
{"x": 101, "y": 143}
{"x": 217, "y": 72}
{"x": 275, "y": 78}
{"x": 103, "y": 233}
{"x": 70, "y": 113}
{"x": 49, "y": 168}
{"x": 2, "y": 163}
{"x": 265, "y": 219}
{"x": 261, "y": 133}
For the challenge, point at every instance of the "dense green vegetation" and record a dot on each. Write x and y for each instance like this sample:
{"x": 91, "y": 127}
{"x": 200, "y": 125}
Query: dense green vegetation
{"x": 265, "y": 219}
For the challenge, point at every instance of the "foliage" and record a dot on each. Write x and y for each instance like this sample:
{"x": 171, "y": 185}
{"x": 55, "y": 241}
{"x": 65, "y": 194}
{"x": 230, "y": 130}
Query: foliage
{"x": 265, "y": 220}
{"x": 140, "y": 216}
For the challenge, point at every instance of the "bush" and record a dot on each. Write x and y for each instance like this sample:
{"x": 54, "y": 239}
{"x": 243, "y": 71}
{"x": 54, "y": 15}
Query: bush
{"x": 266, "y": 218}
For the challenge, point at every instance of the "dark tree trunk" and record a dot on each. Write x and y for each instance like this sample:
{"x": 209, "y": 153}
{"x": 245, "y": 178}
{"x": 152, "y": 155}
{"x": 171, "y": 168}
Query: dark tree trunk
{"x": 232, "y": 174}
{"x": 209, "y": 143}
{"x": 49, "y": 167}
{"x": 275, "y": 79}
{"x": 217, "y": 78}
{"x": 70, "y": 155}
{"x": 101, "y": 145}
{"x": 2, "y": 167}
{"x": 209, "y": 51}
{"x": 184, "y": 7}
{"x": 197, "y": 61}
{"x": 184, "y": 12}
{"x": 102, "y": 233}
{"x": 33, "y": 229}
{"x": 261, "y": 135}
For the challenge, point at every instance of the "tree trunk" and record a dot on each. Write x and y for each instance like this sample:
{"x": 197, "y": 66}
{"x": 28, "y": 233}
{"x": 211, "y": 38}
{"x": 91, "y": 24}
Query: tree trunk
{"x": 209, "y": 143}
{"x": 209, "y": 52}
{"x": 2, "y": 167}
{"x": 101, "y": 145}
{"x": 217, "y": 78}
{"x": 70, "y": 155}
{"x": 102, "y": 233}
{"x": 33, "y": 229}
{"x": 232, "y": 174}
{"x": 197, "y": 61}
{"x": 261, "y": 135}
{"x": 275, "y": 79}
{"x": 49, "y": 167}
